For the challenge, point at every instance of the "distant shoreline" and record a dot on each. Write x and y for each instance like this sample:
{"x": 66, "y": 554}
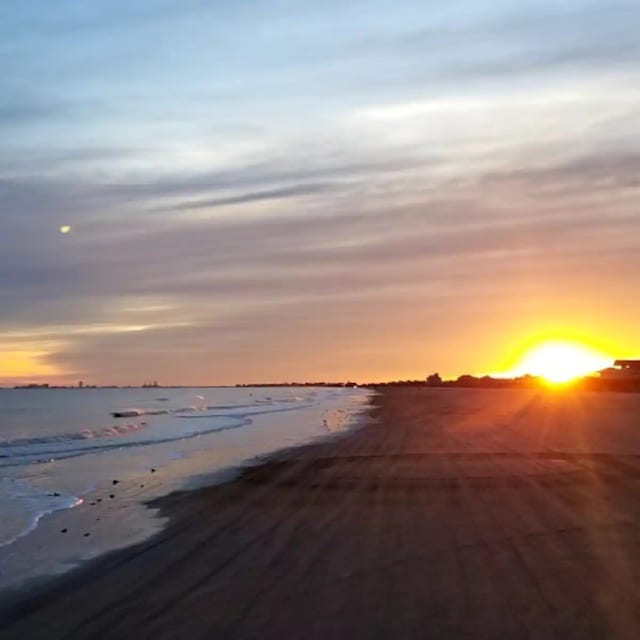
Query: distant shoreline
{"x": 588, "y": 383}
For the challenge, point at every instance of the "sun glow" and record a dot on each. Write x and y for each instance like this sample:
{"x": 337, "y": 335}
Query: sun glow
{"x": 560, "y": 361}
{"x": 19, "y": 364}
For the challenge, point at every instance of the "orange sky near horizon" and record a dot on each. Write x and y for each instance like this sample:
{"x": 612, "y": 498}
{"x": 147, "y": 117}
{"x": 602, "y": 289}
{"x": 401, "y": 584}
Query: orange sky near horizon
{"x": 408, "y": 355}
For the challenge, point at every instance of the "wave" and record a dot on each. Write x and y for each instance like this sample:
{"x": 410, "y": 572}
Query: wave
{"x": 46, "y": 456}
{"x": 22, "y": 507}
{"x": 261, "y": 412}
{"x": 47, "y": 449}
{"x": 86, "y": 434}
{"x": 135, "y": 412}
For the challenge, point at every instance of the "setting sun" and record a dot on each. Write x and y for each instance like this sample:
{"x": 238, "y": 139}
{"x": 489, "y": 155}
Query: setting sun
{"x": 558, "y": 361}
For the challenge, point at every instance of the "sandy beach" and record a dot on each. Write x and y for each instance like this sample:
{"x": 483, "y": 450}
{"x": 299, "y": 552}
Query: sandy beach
{"x": 454, "y": 513}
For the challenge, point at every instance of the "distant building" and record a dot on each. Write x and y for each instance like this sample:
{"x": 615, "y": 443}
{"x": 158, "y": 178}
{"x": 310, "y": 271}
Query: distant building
{"x": 32, "y": 385}
{"x": 623, "y": 370}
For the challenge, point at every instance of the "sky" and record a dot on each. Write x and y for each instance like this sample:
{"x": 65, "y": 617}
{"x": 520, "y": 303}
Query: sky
{"x": 302, "y": 190}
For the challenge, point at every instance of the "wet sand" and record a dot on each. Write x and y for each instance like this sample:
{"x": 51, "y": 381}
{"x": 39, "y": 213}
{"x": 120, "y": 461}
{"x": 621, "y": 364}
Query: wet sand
{"x": 456, "y": 513}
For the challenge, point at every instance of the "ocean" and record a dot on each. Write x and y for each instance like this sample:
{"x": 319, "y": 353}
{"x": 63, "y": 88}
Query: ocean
{"x": 75, "y": 477}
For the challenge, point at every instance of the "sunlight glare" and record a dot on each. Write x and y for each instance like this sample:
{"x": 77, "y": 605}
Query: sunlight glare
{"x": 560, "y": 362}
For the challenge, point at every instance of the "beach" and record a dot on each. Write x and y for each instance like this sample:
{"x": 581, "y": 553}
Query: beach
{"x": 75, "y": 480}
{"x": 451, "y": 513}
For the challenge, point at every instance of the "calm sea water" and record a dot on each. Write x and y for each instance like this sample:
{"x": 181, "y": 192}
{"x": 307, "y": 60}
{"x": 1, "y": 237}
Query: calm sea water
{"x": 74, "y": 479}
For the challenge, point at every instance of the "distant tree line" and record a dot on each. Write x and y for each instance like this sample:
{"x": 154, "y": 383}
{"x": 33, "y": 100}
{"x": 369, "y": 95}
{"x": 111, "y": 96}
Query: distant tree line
{"x": 467, "y": 381}
{"x": 298, "y": 384}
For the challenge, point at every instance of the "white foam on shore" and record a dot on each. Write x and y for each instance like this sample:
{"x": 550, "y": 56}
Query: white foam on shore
{"x": 22, "y": 507}
{"x": 117, "y": 472}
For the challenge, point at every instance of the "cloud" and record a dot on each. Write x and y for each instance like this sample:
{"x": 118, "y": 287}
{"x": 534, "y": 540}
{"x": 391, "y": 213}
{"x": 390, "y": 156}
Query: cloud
{"x": 493, "y": 43}
{"x": 235, "y": 279}
{"x": 270, "y": 197}
{"x": 256, "y": 196}
{"x": 17, "y": 113}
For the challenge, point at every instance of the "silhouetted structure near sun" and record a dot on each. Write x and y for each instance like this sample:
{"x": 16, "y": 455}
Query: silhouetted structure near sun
{"x": 622, "y": 370}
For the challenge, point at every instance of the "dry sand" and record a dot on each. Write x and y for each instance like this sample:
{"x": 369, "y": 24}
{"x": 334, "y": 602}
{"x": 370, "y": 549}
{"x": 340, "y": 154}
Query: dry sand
{"x": 456, "y": 514}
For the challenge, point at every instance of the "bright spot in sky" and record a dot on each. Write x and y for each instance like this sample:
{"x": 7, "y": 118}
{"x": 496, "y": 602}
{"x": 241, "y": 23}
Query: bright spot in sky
{"x": 25, "y": 363}
{"x": 561, "y": 361}
{"x": 65, "y": 228}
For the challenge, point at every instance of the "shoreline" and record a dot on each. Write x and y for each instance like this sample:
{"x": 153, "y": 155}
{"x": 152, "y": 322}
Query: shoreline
{"x": 114, "y": 517}
{"x": 161, "y": 511}
{"x": 448, "y": 515}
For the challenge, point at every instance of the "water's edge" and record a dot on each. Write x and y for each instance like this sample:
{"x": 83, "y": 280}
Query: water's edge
{"x": 18, "y": 600}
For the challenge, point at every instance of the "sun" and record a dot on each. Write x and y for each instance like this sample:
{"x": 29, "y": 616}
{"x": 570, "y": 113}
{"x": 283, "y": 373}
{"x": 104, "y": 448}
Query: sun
{"x": 560, "y": 361}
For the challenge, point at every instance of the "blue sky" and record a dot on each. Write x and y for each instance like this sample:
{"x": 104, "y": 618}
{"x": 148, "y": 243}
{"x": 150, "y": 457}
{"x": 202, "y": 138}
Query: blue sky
{"x": 279, "y": 190}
